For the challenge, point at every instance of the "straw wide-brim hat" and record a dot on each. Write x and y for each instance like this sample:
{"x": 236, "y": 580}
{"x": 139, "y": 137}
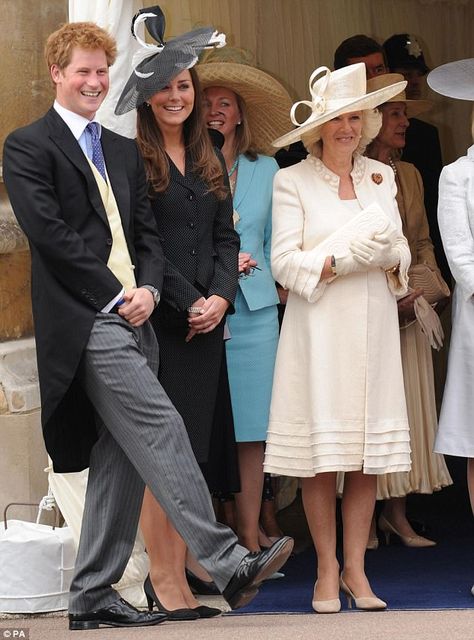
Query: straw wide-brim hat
{"x": 334, "y": 93}
{"x": 414, "y": 107}
{"x": 267, "y": 101}
{"x": 454, "y": 79}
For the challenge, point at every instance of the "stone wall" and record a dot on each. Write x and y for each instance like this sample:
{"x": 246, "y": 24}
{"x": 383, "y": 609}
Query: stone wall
{"x": 27, "y": 95}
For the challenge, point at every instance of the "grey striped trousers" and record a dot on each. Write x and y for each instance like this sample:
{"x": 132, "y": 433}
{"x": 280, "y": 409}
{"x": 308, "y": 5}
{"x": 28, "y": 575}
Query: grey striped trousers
{"x": 142, "y": 441}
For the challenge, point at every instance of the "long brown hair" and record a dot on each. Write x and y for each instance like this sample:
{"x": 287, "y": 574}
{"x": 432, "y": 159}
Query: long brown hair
{"x": 197, "y": 143}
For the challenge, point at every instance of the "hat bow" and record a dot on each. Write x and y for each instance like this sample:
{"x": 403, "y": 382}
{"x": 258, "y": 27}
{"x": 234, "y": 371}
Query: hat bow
{"x": 317, "y": 88}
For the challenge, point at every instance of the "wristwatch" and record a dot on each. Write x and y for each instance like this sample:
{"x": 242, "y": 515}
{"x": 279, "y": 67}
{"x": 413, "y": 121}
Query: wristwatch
{"x": 333, "y": 266}
{"x": 154, "y": 292}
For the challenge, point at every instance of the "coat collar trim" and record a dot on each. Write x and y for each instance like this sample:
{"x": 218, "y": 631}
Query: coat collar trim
{"x": 331, "y": 178}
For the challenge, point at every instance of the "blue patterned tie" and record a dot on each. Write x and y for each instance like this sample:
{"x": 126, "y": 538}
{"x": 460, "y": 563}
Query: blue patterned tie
{"x": 97, "y": 155}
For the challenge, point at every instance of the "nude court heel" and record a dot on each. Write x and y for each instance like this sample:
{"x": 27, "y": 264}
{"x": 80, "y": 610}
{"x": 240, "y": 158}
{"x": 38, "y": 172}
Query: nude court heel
{"x": 326, "y": 606}
{"x": 368, "y": 603}
{"x": 409, "y": 541}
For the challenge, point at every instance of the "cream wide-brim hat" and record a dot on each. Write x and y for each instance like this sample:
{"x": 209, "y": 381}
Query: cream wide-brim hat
{"x": 267, "y": 101}
{"x": 333, "y": 94}
{"x": 414, "y": 107}
{"x": 454, "y": 79}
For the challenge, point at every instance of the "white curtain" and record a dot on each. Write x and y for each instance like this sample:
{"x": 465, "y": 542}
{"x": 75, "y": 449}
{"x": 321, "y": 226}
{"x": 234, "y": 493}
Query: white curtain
{"x": 115, "y": 16}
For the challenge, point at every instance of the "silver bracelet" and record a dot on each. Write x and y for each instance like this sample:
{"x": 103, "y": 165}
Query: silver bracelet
{"x": 195, "y": 310}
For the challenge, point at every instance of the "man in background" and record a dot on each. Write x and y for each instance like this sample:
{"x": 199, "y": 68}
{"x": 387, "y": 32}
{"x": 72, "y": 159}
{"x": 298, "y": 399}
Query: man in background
{"x": 422, "y": 147}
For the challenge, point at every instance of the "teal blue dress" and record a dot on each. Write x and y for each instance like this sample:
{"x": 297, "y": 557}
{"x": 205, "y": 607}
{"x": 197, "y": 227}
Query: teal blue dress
{"x": 251, "y": 350}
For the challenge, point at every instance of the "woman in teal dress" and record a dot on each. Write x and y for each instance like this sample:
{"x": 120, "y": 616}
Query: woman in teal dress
{"x": 248, "y": 107}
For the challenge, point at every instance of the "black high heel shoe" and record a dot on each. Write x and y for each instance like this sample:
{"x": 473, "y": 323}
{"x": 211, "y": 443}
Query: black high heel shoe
{"x": 173, "y": 614}
{"x": 201, "y": 587}
{"x": 207, "y": 612}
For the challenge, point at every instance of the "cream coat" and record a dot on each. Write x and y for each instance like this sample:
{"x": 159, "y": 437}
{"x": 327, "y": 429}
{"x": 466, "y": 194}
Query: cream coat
{"x": 338, "y": 400}
{"x": 456, "y": 223}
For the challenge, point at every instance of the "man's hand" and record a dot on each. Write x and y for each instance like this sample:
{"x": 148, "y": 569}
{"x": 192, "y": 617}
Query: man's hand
{"x": 138, "y": 306}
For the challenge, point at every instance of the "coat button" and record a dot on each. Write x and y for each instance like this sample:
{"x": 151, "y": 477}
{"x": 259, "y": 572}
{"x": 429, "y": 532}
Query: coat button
{"x": 109, "y": 242}
{"x": 193, "y": 252}
{"x": 191, "y": 225}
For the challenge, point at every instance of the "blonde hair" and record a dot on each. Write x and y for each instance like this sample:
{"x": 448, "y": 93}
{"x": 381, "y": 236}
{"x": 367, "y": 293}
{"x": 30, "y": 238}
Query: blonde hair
{"x": 86, "y": 35}
{"x": 371, "y": 123}
{"x": 243, "y": 135}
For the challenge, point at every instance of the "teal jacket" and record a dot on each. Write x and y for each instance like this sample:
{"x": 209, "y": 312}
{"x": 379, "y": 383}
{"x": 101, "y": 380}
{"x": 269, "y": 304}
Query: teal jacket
{"x": 253, "y": 203}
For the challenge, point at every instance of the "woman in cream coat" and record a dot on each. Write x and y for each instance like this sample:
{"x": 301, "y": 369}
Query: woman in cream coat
{"x": 456, "y": 223}
{"x": 338, "y": 401}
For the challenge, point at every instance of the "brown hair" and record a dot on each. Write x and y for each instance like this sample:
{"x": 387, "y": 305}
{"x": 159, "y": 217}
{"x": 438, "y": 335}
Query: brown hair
{"x": 358, "y": 46}
{"x": 86, "y": 35}
{"x": 197, "y": 142}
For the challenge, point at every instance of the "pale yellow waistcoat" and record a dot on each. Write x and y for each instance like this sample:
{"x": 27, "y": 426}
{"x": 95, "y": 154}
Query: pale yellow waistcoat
{"x": 119, "y": 261}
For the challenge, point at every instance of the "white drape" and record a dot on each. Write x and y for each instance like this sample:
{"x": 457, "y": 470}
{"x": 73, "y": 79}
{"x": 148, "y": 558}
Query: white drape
{"x": 69, "y": 490}
{"x": 115, "y": 16}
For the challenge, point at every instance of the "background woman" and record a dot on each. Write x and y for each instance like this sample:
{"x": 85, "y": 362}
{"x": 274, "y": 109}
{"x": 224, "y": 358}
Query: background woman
{"x": 456, "y": 222}
{"x": 249, "y": 108}
{"x": 338, "y": 399}
{"x": 192, "y": 204}
{"x": 428, "y": 471}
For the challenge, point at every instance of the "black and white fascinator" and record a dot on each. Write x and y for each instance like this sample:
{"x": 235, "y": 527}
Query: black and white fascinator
{"x": 156, "y": 64}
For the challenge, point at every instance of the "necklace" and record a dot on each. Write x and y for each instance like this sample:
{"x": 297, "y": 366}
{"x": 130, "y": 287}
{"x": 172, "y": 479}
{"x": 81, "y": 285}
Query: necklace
{"x": 233, "y": 175}
{"x": 392, "y": 164}
{"x": 233, "y": 167}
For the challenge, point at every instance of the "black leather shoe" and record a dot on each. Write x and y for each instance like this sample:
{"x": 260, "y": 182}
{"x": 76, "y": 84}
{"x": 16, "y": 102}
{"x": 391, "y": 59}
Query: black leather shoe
{"x": 254, "y": 568}
{"x": 117, "y": 614}
{"x": 201, "y": 587}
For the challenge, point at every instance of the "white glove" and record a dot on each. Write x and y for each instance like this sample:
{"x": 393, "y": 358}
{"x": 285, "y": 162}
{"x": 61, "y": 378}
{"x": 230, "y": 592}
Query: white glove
{"x": 347, "y": 264}
{"x": 375, "y": 253}
{"x": 429, "y": 322}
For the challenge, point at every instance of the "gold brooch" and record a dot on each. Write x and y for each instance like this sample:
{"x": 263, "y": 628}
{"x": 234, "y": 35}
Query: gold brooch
{"x": 377, "y": 178}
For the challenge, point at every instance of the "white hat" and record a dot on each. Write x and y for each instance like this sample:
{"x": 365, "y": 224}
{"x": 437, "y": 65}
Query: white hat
{"x": 333, "y": 94}
{"x": 454, "y": 79}
{"x": 414, "y": 107}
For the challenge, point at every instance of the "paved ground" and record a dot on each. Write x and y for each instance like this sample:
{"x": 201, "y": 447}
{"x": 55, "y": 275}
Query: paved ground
{"x": 387, "y": 625}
